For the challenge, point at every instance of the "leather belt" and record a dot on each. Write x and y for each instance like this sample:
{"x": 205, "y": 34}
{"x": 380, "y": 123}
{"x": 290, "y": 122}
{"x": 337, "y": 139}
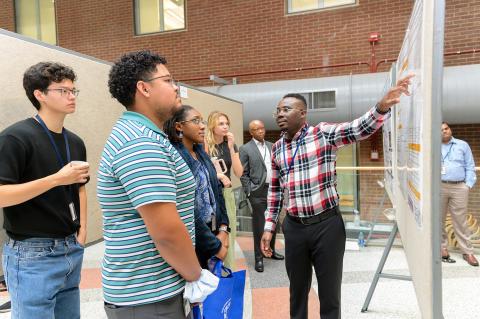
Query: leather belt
{"x": 452, "y": 182}
{"x": 316, "y": 218}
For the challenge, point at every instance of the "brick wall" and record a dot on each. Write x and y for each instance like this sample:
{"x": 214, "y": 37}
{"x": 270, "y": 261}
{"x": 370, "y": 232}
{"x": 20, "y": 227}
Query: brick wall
{"x": 232, "y": 37}
{"x": 370, "y": 193}
{"x": 7, "y": 14}
{"x": 470, "y": 133}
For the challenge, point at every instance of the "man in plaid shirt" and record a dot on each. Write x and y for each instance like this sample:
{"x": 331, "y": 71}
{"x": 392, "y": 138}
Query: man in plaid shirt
{"x": 304, "y": 182}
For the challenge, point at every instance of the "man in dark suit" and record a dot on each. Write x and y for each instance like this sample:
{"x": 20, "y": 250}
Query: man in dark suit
{"x": 256, "y": 160}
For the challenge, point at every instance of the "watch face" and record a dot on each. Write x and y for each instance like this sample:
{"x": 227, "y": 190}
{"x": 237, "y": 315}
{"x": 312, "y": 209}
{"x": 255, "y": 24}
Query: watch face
{"x": 225, "y": 229}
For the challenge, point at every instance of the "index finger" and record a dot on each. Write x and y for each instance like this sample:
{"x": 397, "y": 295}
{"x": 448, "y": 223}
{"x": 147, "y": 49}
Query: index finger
{"x": 406, "y": 78}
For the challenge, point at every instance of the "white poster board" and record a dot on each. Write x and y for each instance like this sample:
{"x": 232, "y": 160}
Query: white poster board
{"x": 415, "y": 157}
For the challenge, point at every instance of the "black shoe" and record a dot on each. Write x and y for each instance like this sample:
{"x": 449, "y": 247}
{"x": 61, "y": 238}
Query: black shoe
{"x": 447, "y": 259}
{"x": 259, "y": 265}
{"x": 6, "y": 307}
{"x": 277, "y": 256}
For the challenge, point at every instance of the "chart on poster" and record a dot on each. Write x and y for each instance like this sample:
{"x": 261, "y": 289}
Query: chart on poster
{"x": 409, "y": 115}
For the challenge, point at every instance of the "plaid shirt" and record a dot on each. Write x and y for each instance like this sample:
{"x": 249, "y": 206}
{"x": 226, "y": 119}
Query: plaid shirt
{"x": 312, "y": 178}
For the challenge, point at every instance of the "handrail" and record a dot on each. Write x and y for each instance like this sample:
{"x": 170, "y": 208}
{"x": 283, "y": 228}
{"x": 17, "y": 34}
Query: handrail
{"x": 370, "y": 168}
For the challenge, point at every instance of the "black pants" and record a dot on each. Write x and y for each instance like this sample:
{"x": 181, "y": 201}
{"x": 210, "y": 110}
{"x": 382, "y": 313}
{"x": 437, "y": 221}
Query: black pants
{"x": 258, "y": 200}
{"x": 323, "y": 246}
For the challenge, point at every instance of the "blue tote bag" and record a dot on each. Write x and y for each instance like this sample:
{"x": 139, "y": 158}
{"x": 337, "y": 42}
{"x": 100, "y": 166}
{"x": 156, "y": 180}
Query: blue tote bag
{"x": 227, "y": 301}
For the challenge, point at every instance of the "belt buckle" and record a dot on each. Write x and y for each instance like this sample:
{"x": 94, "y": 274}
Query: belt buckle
{"x": 303, "y": 222}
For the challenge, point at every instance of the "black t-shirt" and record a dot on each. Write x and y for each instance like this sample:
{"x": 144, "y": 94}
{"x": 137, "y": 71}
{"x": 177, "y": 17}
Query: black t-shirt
{"x": 224, "y": 153}
{"x": 26, "y": 154}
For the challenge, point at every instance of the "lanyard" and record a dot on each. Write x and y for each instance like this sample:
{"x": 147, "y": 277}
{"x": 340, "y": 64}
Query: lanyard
{"x": 50, "y": 137}
{"x": 300, "y": 138}
{"x": 443, "y": 158}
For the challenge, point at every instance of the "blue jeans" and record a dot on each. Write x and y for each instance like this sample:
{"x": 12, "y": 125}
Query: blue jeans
{"x": 42, "y": 276}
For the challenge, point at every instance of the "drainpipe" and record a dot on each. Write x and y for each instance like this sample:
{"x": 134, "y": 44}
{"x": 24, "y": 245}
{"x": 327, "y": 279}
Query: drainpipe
{"x": 281, "y": 71}
{"x": 373, "y": 66}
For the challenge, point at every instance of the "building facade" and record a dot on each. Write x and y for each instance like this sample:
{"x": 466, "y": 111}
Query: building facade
{"x": 255, "y": 41}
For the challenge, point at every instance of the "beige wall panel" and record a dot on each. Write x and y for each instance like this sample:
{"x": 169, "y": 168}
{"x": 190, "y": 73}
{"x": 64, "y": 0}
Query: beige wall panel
{"x": 96, "y": 110}
{"x": 207, "y": 102}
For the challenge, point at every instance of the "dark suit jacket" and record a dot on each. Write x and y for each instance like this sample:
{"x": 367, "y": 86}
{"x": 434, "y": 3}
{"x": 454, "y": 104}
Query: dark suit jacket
{"x": 254, "y": 170}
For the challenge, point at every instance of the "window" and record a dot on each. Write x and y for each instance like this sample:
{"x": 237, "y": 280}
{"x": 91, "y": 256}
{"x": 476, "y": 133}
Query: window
{"x": 36, "y": 19}
{"x": 159, "y": 15}
{"x": 307, "y": 5}
{"x": 347, "y": 180}
{"x": 320, "y": 100}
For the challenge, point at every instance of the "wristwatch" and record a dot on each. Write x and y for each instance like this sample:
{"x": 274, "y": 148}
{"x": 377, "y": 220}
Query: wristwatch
{"x": 225, "y": 229}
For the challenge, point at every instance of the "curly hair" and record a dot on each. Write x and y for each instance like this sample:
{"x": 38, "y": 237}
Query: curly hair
{"x": 169, "y": 125}
{"x": 41, "y": 75}
{"x": 212, "y": 123}
{"x": 128, "y": 70}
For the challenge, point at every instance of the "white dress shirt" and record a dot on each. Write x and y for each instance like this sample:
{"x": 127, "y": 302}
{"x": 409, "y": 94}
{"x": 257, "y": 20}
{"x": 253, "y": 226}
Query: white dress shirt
{"x": 267, "y": 159}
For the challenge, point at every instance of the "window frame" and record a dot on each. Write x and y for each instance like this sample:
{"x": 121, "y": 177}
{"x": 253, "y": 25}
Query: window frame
{"x": 162, "y": 20}
{"x": 288, "y": 7}
{"x": 37, "y": 9}
{"x": 311, "y": 93}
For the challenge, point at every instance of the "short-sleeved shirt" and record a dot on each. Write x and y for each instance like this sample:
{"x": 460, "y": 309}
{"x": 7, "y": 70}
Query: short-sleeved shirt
{"x": 138, "y": 167}
{"x": 224, "y": 153}
{"x": 26, "y": 154}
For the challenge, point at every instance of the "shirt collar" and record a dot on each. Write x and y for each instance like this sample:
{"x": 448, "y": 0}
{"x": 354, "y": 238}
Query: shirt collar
{"x": 452, "y": 141}
{"x": 258, "y": 142}
{"x": 142, "y": 119}
{"x": 304, "y": 128}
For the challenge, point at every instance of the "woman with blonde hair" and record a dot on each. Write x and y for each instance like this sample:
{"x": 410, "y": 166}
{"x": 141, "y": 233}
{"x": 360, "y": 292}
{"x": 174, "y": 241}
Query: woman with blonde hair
{"x": 220, "y": 144}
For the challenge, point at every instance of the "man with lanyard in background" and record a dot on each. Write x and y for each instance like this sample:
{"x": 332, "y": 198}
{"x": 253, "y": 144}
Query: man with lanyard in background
{"x": 257, "y": 172}
{"x": 458, "y": 177}
{"x": 304, "y": 179}
{"x": 42, "y": 177}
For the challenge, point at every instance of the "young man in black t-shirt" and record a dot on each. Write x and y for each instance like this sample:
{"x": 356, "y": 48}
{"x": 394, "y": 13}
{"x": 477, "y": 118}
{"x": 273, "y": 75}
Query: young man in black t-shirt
{"x": 42, "y": 192}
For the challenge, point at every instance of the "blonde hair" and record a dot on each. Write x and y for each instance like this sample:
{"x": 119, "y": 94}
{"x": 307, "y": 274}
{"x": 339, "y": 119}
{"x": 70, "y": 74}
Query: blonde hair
{"x": 213, "y": 118}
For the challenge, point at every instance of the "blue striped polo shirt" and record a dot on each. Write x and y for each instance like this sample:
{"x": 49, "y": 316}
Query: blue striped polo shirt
{"x": 138, "y": 167}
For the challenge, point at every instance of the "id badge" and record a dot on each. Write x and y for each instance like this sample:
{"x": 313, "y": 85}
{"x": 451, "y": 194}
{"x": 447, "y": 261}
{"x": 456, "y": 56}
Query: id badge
{"x": 73, "y": 214}
{"x": 286, "y": 197}
{"x": 444, "y": 170}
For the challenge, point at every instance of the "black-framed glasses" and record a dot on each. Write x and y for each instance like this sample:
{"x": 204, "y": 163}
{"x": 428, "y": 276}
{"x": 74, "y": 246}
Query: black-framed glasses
{"x": 195, "y": 121}
{"x": 285, "y": 109}
{"x": 65, "y": 92}
{"x": 169, "y": 79}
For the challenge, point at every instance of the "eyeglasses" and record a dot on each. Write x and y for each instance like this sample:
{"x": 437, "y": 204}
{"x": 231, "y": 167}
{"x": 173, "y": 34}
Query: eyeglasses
{"x": 170, "y": 79}
{"x": 65, "y": 92}
{"x": 196, "y": 121}
{"x": 285, "y": 109}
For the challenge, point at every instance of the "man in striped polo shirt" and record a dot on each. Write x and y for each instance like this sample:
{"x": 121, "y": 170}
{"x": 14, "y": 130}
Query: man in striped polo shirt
{"x": 146, "y": 192}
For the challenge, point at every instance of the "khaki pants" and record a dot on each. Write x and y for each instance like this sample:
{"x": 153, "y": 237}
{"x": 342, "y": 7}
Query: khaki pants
{"x": 232, "y": 217}
{"x": 454, "y": 199}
